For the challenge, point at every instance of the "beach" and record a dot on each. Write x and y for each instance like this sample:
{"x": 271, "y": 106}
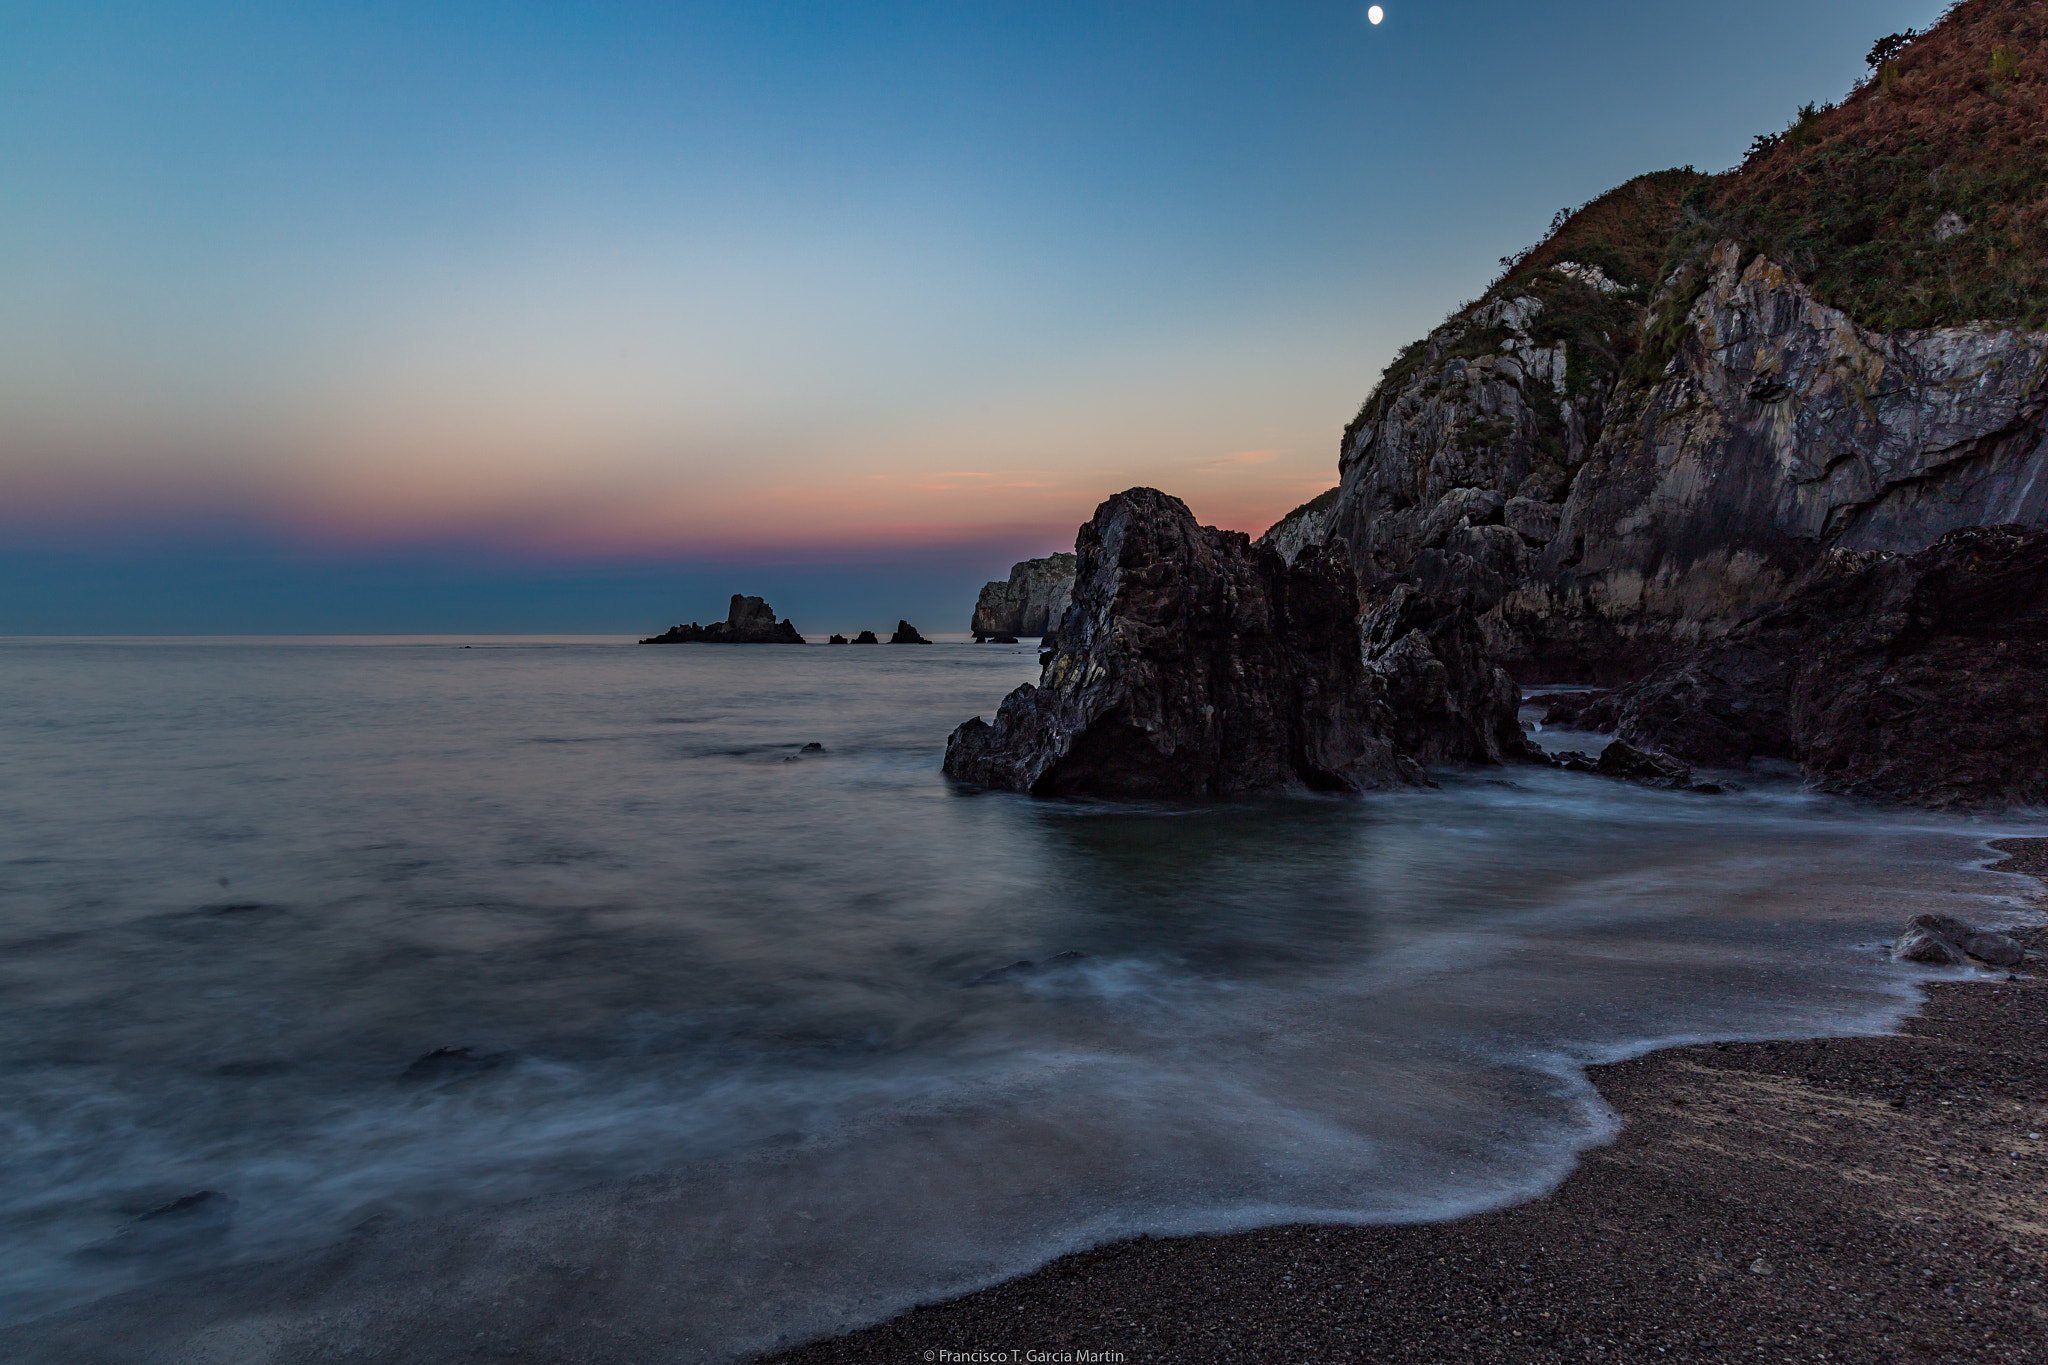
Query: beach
{"x": 1852, "y": 1199}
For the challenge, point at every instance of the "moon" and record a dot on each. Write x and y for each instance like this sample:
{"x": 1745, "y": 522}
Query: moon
{"x": 1375, "y": 14}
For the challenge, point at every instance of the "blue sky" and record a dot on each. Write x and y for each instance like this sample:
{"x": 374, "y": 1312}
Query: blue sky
{"x": 508, "y": 316}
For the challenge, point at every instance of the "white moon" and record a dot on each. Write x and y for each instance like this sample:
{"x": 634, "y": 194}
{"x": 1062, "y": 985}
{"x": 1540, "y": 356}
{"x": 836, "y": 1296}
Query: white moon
{"x": 1375, "y": 14}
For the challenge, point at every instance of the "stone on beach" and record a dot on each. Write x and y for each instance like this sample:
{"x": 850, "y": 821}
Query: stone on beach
{"x": 1945, "y": 941}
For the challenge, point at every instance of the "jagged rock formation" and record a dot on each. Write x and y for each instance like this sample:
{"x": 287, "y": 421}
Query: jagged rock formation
{"x": 1905, "y": 677}
{"x": 906, "y": 634}
{"x": 1030, "y": 603}
{"x": 866, "y": 637}
{"x": 1447, "y": 701}
{"x": 1306, "y": 525}
{"x": 1193, "y": 664}
{"x": 749, "y": 621}
{"x": 1657, "y": 419}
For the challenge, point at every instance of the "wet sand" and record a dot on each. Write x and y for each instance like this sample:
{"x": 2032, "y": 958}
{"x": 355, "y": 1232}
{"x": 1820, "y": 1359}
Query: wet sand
{"x": 1864, "y": 1199}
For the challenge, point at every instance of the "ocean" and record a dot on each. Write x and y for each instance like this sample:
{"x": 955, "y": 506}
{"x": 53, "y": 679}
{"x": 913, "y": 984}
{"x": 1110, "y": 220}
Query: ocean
{"x": 467, "y": 999}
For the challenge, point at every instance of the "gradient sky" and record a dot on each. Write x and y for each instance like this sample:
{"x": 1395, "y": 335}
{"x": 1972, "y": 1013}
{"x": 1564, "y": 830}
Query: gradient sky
{"x": 439, "y": 316}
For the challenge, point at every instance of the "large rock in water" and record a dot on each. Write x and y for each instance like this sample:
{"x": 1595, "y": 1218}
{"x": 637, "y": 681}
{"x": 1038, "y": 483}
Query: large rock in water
{"x": 1030, "y": 603}
{"x": 748, "y": 621}
{"x": 1918, "y": 677}
{"x": 1190, "y": 664}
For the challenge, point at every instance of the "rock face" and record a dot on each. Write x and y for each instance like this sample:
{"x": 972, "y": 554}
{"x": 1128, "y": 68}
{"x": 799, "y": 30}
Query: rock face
{"x": 1447, "y": 701}
{"x": 866, "y": 637}
{"x": 1190, "y": 664}
{"x": 906, "y": 634}
{"x": 1030, "y": 603}
{"x": 749, "y": 621}
{"x": 1918, "y": 677}
{"x": 1609, "y": 524}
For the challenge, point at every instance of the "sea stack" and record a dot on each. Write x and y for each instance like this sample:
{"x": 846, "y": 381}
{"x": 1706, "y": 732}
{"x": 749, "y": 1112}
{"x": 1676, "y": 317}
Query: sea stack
{"x": 1031, "y": 602}
{"x": 749, "y": 621}
{"x": 906, "y": 634}
{"x": 1191, "y": 665}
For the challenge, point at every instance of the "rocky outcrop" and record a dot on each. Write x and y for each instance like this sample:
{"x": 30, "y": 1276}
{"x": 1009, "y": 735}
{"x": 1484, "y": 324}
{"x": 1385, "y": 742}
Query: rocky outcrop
{"x": 1030, "y": 603}
{"x": 1918, "y": 677}
{"x": 749, "y": 621}
{"x": 1190, "y": 664}
{"x": 866, "y": 637}
{"x": 906, "y": 634}
{"x": 1604, "y": 527}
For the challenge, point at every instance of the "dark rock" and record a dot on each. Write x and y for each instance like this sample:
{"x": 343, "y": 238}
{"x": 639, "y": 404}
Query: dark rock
{"x": 1005, "y": 639}
{"x": 1996, "y": 949}
{"x": 1564, "y": 708}
{"x": 1449, "y": 701}
{"x": 1190, "y": 664}
{"x": 1948, "y": 926}
{"x": 451, "y": 1063}
{"x": 906, "y": 634}
{"x": 836, "y": 640}
{"x": 1624, "y": 760}
{"x": 1031, "y": 602}
{"x": 1920, "y": 945}
{"x": 866, "y": 637}
{"x": 748, "y": 621}
{"x": 813, "y": 748}
{"x": 1904, "y": 677}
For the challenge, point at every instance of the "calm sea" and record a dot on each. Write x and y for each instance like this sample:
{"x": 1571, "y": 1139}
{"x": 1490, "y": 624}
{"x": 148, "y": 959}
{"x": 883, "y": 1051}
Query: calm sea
{"x": 446, "y": 1000}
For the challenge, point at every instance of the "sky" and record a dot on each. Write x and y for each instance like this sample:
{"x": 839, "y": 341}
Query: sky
{"x": 373, "y": 316}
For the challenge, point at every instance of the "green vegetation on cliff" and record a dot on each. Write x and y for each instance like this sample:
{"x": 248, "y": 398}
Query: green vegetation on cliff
{"x": 1922, "y": 199}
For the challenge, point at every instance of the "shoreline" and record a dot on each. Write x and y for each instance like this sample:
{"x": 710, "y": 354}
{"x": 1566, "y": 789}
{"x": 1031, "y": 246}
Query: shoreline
{"x": 1854, "y": 1199}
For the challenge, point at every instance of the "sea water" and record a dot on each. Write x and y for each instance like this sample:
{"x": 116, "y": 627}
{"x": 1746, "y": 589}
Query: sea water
{"x": 436, "y": 1000}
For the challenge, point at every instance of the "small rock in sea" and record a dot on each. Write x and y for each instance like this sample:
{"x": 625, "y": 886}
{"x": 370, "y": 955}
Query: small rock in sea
{"x": 906, "y": 634}
{"x": 836, "y": 640}
{"x": 448, "y": 1063}
{"x": 812, "y": 748}
{"x": 866, "y": 637}
{"x": 1624, "y": 760}
{"x": 1006, "y": 639}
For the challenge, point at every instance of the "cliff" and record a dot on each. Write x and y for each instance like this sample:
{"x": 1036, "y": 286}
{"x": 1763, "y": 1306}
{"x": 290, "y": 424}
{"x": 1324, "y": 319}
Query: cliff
{"x": 1030, "y": 603}
{"x": 1657, "y": 419}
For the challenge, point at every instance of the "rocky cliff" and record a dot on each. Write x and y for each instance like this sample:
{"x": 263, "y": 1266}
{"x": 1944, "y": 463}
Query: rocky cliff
{"x": 1665, "y": 413}
{"x": 1030, "y": 603}
{"x": 1907, "y": 677}
{"x": 1191, "y": 663}
{"x": 748, "y": 621}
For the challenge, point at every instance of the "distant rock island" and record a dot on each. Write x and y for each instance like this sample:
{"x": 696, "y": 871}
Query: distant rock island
{"x": 906, "y": 634}
{"x": 1031, "y": 603}
{"x": 749, "y": 621}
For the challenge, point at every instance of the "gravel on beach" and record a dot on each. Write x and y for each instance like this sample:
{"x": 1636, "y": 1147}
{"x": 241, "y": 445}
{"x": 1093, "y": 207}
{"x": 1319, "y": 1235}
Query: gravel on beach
{"x": 1848, "y": 1199}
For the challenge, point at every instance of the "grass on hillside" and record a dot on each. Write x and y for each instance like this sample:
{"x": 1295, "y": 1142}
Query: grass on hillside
{"x": 1855, "y": 198}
